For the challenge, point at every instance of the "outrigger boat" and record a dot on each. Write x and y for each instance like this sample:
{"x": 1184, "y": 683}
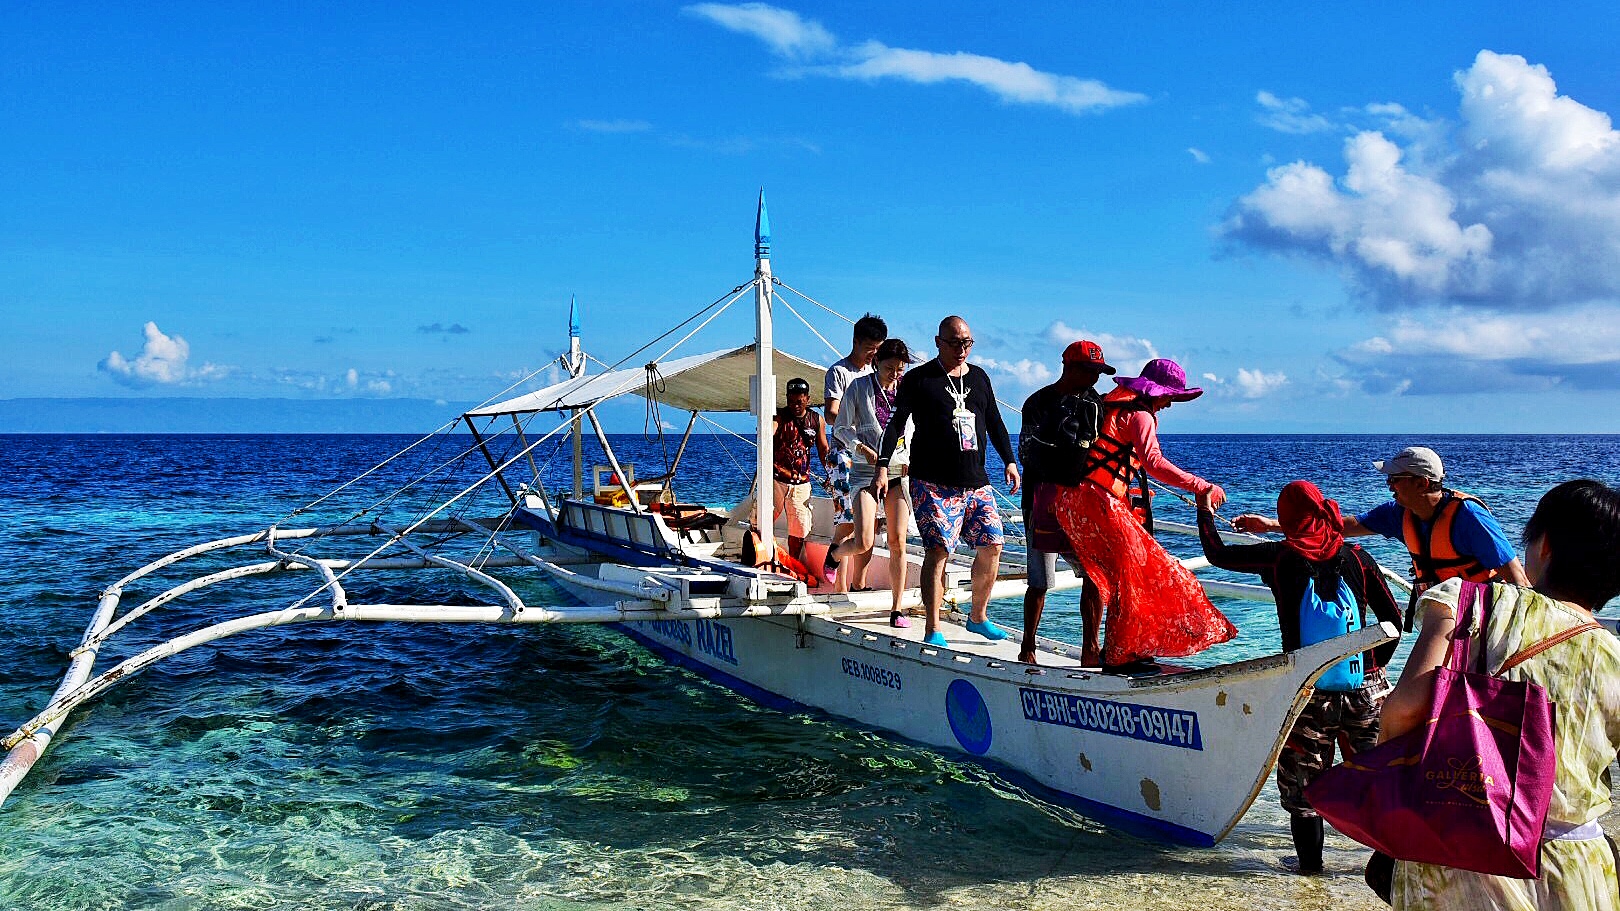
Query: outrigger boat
{"x": 1179, "y": 754}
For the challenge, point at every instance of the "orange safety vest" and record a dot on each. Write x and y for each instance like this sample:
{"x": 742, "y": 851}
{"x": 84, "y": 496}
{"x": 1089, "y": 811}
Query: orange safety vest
{"x": 1434, "y": 556}
{"x": 781, "y": 562}
{"x": 1111, "y": 462}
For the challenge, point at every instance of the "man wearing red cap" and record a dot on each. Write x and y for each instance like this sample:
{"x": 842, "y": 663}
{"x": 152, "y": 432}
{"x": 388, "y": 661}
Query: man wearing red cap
{"x": 1060, "y": 423}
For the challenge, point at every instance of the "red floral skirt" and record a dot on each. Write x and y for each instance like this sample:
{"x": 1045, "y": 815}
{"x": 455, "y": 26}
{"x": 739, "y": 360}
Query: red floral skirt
{"x": 1155, "y": 607}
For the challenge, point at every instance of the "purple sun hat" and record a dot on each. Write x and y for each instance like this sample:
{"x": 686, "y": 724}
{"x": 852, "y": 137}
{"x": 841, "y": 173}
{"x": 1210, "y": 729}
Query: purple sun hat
{"x": 1162, "y": 376}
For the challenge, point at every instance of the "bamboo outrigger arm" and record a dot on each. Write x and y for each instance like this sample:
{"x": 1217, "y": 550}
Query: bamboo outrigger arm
{"x": 37, "y": 731}
{"x": 340, "y": 598}
{"x": 647, "y": 600}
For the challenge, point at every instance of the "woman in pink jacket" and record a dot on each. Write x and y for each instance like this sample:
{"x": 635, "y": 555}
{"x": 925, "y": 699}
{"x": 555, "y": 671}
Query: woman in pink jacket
{"x": 1154, "y": 605}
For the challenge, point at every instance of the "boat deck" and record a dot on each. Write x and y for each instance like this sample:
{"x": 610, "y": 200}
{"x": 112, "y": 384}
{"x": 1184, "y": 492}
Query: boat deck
{"x": 1052, "y": 654}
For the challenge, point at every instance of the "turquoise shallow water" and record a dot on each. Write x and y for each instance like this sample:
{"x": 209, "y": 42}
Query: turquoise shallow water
{"x": 432, "y": 767}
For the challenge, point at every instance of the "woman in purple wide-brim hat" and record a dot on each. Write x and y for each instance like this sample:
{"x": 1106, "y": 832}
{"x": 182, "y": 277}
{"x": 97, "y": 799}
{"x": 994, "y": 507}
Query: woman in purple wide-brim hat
{"x": 1161, "y": 377}
{"x": 1155, "y": 607}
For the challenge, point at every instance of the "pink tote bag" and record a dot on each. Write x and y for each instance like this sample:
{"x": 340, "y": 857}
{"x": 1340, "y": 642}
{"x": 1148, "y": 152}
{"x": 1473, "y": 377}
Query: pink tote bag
{"x": 1470, "y": 789}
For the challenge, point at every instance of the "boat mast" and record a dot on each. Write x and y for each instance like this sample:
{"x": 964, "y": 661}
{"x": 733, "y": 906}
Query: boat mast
{"x": 576, "y": 366}
{"x": 765, "y": 382}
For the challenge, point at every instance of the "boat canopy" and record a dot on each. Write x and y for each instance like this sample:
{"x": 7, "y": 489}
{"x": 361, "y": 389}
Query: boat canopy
{"x": 717, "y": 381}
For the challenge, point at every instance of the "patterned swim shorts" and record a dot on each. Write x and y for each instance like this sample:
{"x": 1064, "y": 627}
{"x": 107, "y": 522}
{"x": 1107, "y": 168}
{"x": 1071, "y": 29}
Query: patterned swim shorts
{"x": 838, "y": 478}
{"x": 948, "y": 514}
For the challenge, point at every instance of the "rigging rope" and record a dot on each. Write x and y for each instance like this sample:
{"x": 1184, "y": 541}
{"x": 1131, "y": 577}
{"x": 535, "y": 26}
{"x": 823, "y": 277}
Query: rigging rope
{"x": 655, "y": 387}
{"x": 741, "y": 471}
{"x": 444, "y": 429}
{"x": 830, "y": 346}
{"x": 778, "y": 281}
{"x": 1191, "y": 502}
{"x": 735, "y": 294}
{"x": 435, "y": 511}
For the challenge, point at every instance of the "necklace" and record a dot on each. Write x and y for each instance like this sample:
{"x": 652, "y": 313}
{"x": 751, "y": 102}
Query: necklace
{"x": 883, "y": 404}
{"x": 958, "y": 391}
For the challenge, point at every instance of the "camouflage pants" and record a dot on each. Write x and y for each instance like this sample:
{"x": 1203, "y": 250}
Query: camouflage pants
{"x": 1346, "y": 720}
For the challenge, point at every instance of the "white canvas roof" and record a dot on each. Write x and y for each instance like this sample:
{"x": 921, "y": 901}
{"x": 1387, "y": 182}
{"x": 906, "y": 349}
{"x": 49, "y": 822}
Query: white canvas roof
{"x": 717, "y": 381}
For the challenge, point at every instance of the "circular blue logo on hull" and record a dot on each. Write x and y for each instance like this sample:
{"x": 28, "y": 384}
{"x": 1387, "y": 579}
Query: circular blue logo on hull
{"x": 969, "y": 717}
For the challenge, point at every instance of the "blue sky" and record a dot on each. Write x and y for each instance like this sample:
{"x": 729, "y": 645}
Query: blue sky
{"x": 1401, "y": 218}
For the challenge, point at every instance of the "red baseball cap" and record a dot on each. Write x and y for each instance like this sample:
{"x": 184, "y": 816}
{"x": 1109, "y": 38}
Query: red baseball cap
{"x": 1088, "y": 353}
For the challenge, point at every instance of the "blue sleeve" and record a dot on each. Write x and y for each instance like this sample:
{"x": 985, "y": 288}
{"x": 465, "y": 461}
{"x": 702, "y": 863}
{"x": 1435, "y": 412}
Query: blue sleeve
{"x": 1383, "y": 519}
{"x": 1477, "y": 534}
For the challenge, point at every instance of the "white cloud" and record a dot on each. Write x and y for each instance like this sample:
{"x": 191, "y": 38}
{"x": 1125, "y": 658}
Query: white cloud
{"x": 352, "y": 378}
{"x": 800, "y": 40}
{"x": 1019, "y": 83}
{"x": 1125, "y": 353}
{"x": 1516, "y": 206}
{"x": 1290, "y": 115}
{"x": 379, "y": 387}
{"x": 785, "y": 31}
{"x": 1198, "y": 155}
{"x": 164, "y": 361}
{"x": 614, "y": 126}
{"x": 1254, "y": 384}
{"x": 1250, "y": 384}
{"x": 1023, "y": 373}
{"x": 1460, "y": 351}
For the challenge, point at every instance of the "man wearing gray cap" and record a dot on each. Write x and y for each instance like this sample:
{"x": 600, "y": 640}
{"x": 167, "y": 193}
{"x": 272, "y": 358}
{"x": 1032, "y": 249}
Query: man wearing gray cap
{"x": 1448, "y": 532}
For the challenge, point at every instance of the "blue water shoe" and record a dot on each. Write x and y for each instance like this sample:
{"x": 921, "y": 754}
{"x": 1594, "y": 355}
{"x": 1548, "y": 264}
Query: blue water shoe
{"x": 988, "y": 629}
{"x": 936, "y": 638}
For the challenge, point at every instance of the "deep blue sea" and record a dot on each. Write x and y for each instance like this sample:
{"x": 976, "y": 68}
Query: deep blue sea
{"x": 437, "y": 767}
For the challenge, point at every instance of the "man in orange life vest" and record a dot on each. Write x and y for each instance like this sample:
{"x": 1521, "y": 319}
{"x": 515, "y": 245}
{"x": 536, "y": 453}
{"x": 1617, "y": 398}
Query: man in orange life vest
{"x": 1447, "y": 532}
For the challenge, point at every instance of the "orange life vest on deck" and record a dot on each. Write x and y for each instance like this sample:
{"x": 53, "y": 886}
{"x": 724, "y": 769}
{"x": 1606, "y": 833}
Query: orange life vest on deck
{"x": 1111, "y": 461}
{"x": 1434, "y": 557}
{"x": 781, "y": 562}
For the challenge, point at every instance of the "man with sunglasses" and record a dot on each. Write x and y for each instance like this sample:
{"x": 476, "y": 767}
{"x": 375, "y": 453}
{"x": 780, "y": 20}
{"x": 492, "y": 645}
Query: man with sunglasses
{"x": 952, "y": 407}
{"x": 1447, "y": 532}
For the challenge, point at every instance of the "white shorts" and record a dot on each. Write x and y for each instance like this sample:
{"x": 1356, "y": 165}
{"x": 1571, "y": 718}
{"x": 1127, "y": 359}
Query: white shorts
{"x": 795, "y": 498}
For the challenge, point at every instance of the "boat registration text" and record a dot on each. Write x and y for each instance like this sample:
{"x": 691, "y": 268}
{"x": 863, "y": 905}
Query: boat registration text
{"x": 871, "y": 673}
{"x": 1171, "y": 727}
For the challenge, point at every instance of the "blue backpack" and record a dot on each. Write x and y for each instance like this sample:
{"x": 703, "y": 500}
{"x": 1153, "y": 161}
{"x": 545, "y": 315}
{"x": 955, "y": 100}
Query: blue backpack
{"x": 1320, "y": 621}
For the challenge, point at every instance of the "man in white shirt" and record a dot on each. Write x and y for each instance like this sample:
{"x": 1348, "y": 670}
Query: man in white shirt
{"x": 870, "y": 332}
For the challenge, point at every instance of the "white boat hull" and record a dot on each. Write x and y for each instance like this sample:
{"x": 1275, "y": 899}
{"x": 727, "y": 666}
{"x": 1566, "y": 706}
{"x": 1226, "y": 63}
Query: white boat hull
{"x": 1176, "y": 756}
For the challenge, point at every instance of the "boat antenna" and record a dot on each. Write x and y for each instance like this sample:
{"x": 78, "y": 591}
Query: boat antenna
{"x": 576, "y": 368}
{"x": 576, "y": 356}
{"x": 764, "y": 380}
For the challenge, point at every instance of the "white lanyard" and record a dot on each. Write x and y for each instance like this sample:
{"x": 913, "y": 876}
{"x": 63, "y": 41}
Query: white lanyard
{"x": 960, "y": 392}
{"x": 963, "y": 420}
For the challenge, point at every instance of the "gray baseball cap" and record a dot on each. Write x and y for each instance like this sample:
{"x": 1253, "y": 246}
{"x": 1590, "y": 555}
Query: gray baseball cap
{"x": 1418, "y": 461}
